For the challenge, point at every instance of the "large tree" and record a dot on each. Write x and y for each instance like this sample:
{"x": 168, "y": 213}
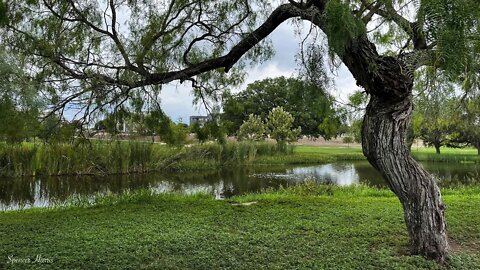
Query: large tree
{"x": 89, "y": 53}
{"x": 309, "y": 104}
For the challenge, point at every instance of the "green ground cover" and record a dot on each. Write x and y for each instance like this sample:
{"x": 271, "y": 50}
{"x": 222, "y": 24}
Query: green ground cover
{"x": 468, "y": 155}
{"x": 303, "y": 227}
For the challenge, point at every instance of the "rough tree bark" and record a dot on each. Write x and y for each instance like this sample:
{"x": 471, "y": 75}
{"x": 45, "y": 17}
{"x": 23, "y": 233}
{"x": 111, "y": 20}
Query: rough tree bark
{"x": 384, "y": 142}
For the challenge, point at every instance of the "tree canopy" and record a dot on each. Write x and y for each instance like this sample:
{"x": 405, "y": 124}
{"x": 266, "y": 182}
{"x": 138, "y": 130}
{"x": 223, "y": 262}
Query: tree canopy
{"x": 280, "y": 126}
{"x": 309, "y": 104}
{"x": 19, "y": 105}
{"x": 253, "y": 129}
{"x": 101, "y": 54}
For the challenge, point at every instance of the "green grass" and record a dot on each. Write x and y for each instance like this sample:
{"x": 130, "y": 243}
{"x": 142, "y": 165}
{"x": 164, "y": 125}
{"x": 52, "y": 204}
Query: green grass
{"x": 304, "y": 227}
{"x": 309, "y": 154}
{"x": 137, "y": 157}
{"x": 447, "y": 155}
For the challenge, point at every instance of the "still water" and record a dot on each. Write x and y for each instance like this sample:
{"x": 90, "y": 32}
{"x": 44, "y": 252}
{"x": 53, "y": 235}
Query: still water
{"x": 44, "y": 191}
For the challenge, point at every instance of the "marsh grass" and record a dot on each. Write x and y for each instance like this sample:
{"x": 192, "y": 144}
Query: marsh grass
{"x": 122, "y": 157}
{"x": 119, "y": 157}
{"x": 308, "y": 188}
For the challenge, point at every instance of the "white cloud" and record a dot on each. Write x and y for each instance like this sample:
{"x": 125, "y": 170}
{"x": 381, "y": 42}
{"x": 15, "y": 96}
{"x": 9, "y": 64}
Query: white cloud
{"x": 345, "y": 84}
{"x": 177, "y": 102}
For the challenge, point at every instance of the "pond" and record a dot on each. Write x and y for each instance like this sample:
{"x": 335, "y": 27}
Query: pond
{"x": 18, "y": 193}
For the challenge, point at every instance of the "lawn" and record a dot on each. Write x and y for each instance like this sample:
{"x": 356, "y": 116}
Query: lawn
{"x": 357, "y": 149}
{"x": 310, "y": 154}
{"x": 304, "y": 227}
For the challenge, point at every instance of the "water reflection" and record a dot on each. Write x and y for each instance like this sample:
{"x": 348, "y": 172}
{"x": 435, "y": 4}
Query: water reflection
{"x": 43, "y": 191}
{"x": 339, "y": 174}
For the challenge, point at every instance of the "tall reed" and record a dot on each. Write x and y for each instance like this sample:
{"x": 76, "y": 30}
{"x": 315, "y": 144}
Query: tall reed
{"x": 119, "y": 157}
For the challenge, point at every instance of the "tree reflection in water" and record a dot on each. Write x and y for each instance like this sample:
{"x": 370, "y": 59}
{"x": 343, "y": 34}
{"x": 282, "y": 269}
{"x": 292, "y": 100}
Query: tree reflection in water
{"x": 44, "y": 191}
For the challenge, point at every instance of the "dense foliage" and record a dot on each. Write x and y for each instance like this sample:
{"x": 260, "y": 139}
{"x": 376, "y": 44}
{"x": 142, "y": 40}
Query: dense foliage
{"x": 309, "y": 104}
{"x": 19, "y": 105}
{"x": 281, "y": 127}
{"x": 434, "y": 116}
{"x": 254, "y": 129}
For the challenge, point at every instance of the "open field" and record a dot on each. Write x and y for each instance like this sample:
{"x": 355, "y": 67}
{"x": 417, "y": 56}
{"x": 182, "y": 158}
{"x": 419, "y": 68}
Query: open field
{"x": 358, "y": 149}
{"x": 306, "y": 227}
{"x": 314, "y": 154}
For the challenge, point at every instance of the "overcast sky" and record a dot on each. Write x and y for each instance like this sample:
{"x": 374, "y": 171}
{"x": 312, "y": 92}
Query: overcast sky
{"x": 177, "y": 99}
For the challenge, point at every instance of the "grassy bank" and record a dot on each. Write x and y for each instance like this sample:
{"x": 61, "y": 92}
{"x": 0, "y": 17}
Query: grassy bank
{"x": 136, "y": 157}
{"x": 305, "y": 227}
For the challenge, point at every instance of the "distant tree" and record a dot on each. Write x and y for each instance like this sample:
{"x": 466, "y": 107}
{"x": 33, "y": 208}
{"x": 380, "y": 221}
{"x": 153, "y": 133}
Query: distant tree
{"x": 469, "y": 112}
{"x": 468, "y": 127}
{"x": 13, "y": 127}
{"x": 355, "y": 130}
{"x": 435, "y": 106}
{"x": 280, "y": 126}
{"x": 150, "y": 123}
{"x": 331, "y": 127}
{"x": 348, "y": 140}
{"x": 355, "y": 109}
{"x": 55, "y": 129}
{"x": 173, "y": 134}
{"x": 213, "y": 129}
{"x": 309, "y": 104}
{"x": 201, "y": 133}
{"x": 254, "y": 129}
{"x": 156, "y": 122}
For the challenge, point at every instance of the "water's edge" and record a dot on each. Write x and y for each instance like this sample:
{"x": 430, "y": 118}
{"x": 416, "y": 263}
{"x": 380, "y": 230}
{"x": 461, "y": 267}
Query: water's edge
{"x": 17, "y": 193}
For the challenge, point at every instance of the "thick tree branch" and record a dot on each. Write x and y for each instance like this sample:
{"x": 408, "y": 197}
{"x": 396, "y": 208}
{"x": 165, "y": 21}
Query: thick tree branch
{"x": 387, "y": 11}
{"x": 278, "y": 16}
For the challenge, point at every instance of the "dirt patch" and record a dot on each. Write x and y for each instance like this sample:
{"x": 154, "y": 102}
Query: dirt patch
{"x": 456, "y": 246}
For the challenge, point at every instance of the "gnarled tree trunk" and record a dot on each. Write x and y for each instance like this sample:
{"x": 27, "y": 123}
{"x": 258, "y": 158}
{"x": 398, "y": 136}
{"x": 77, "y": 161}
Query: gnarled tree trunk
{"x": 384, "y": 142}
{"x": 384, "y": 145}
